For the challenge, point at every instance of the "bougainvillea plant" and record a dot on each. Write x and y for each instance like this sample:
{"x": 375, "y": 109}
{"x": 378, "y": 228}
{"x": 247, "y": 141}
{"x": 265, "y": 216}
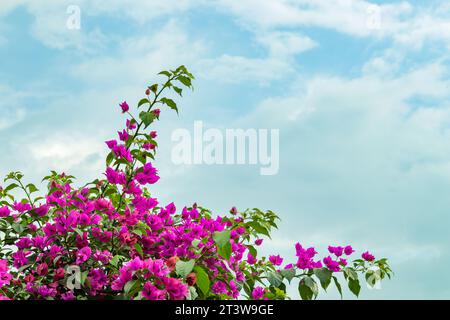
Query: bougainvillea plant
{"x": 112, "y": 239}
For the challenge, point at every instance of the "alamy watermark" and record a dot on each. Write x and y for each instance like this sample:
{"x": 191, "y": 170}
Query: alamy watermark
{"x": 227, "y": 147}
{"x": 373, "y": 21}
{"x": 73, "y": 21}
{"x": 74, "y": 279}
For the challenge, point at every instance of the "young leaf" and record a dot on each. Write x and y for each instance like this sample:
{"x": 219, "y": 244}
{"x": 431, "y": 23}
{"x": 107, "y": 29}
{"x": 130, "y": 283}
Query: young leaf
{"x": 143, "y": 101}
{"x": 203, "y": 281}
{"x": 354, "y": 286}
{"x": 183, "y": 268}
{"x": 275, "y": 278}
{"x": 147, "y": 118}
{"x": 170, "y": 103}
{"x": 324, "y": 276}
{"x": 338, "y": 286}
{"x": 289, "y": 274}
{"x": 305, "y": 291}
{"x": 225, "y": 251}
{"x": 222, "y": 238}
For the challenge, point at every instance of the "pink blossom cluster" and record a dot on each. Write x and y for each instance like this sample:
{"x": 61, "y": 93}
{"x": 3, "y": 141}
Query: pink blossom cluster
{"x": 123, "y": 242}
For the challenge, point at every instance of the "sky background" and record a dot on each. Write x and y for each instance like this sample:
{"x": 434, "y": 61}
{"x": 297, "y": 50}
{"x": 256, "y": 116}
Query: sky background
{"x": 360, "y": 95}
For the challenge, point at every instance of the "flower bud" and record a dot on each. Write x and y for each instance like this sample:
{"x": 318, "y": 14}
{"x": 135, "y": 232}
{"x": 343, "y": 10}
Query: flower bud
{"x": 42, "y": 269}
{"x": 191, "y": 279}
{"x": 156, "y": 112}
{"x": 172, "y": 262}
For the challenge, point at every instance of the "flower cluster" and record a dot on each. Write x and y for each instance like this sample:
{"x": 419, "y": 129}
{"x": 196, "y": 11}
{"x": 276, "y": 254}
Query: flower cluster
{"x": 112, "y": 238}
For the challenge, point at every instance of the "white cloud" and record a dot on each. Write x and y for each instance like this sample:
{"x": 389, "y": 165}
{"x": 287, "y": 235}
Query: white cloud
{"x": 401, "y": 21}
{"x": 235, "y": 69}
{"x": 12, "y": 110}
{"x": 65, "y": 151}
{"x": 286, "y": 44}
{"x": 142, "y": 56}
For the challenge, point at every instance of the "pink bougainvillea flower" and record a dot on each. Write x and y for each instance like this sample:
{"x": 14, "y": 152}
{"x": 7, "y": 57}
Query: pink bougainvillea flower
{"x": 348, "y": 250}
{"x": 22, "y": 207}
{"x": 175, "y": 288}
{"x": 276, "y": 260}
{"x": 115, "y": 177}
{"x": 67, "y": 296}
{"x": 3, "y": 266}
{"x": 149, "y": 146}
{"x": 151, "y": 292}
{"x": 131, "y": 125}
{"x": 147, "y": 175}
{"x": 124, "y": 106}
{"x": 20, "y": 259}
{"x": 331, "y": 264}
{"x": 250, "y": 259}
{"x": 368, "y": 256}
{"x": 83, "y": 255}
{"x": 111, "y": 144}
{"x": 258, "y": 293}
{"x": 42, "y": 210}
{"x": 337, "y": 251}
{"x": 122, "y": 152}
{"x": 4, "y": 212}
{"x": 219, "y": 287}
{"x": 123, "y": 135}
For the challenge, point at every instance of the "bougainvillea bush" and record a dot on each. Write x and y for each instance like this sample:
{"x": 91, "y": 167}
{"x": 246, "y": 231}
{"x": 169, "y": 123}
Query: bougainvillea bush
{"x": 112, "y": 239}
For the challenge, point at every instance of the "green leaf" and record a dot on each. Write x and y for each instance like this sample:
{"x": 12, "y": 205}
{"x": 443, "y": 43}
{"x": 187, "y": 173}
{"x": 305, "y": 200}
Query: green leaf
{"x": 195, "y": 243}
{"x": 373, "y": 277}
{"x": 79, "y": 232}
{"x": 154, "y": 88}
{"x": 311, "y": 283}
{"x": 132, "y": 287}
{"x": 203, "y": 282}
{"x": 192, "y": 295}
{"x": 259, "y": 228}
{"x": 166, "y": 73}
{"x": 17, "y": 227}
{"x": 275, "y": 278}
{"x": 12, "y": 186}
{"x": 185, "y": 80}
{"x": 225, "y": 251}
{"x": 183, "y": 268}
{"x": 324, "y": 275}
{"x": 138, "y": 248}
{"x": 354, "y": 286}
{"x": 32, "y": 188}
{"x": 338, "y": 286}
{"x": 222, "y": 238}
{"x": 147, "y": 118}
{"x": 170, "y": 103}
{"x": 350, "y": 273}
{"x": 305, "y": 291}
{"x": 115, "y": 260}
{"x": 143, "y": 101}
{"x": 289, "y": 274}
{"x": 178, "y": 90}
{"x": 129, "y": 285}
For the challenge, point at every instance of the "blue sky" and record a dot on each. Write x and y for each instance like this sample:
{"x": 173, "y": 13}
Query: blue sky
{"x": 363, "y": 112}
